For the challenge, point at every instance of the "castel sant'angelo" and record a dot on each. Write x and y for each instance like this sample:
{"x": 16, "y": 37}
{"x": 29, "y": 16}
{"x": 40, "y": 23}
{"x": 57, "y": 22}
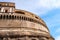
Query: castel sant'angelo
{"x": 18, "y": 24}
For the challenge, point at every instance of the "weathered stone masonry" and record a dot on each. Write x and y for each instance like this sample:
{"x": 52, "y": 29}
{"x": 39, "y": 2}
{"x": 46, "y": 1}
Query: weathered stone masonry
{"x": 18, "y": 24}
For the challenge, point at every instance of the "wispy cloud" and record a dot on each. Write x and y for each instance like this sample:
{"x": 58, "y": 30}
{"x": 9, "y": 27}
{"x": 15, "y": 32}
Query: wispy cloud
{"x": 34, "y": 5}
{"x": 47, "y": 5}
{"x": 57, "y": 38}
{"x": 50, "y": 3}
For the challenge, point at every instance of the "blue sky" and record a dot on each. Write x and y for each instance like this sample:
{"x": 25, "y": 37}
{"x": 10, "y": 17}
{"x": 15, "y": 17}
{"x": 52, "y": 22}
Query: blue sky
{"x": 48, "y": 10}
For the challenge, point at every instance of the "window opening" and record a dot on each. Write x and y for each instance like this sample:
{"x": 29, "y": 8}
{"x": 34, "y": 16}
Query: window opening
{"x": 6, "y": 11}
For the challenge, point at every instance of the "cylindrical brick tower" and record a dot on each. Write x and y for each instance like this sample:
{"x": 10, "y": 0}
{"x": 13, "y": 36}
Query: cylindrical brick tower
{"x": 18, "y": 24}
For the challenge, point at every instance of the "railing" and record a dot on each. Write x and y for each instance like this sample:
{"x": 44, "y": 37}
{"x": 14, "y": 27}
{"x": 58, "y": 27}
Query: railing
{"x": 18, "y": 17}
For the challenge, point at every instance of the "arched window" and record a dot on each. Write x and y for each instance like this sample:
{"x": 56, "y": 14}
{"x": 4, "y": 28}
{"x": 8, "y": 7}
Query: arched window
{"x": 9, "y": 16}
{"x": 24, "y": 18}
{"x": 4, "y": 17}
{"x": 29, "y": 19}
{"x": 15, "y": 17}
{"x": 0, "y": 9}
{"x": 20, "y": 17}
{"x": 12, "y": 16}
{"x": 0, "y": 16}
{"x": 6, "y": 11}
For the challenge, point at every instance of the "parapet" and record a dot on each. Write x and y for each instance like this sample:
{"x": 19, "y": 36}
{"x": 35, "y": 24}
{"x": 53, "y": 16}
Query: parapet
{"x": 7, "y": 4}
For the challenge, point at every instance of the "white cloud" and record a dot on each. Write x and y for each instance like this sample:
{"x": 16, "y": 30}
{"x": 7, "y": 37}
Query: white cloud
{"x": 57, "y": 38}
{"x": 47, "y": 5}
{"x": 50, "y": 3}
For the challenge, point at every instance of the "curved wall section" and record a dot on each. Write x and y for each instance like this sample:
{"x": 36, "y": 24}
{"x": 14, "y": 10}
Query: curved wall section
{"x": 23, "y": 24}
{"x": 18, "y": 24}
{"x": 20, "y": 17}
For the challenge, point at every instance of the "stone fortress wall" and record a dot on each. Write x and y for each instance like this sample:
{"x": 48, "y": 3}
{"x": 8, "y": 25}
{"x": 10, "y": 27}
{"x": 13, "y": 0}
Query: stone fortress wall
{"x": 18, "y": 24}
